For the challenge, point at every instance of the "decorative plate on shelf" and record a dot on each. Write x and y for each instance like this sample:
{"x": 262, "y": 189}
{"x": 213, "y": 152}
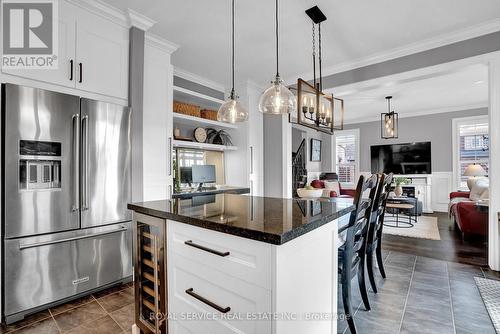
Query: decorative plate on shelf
{"x": 200, "y": 135}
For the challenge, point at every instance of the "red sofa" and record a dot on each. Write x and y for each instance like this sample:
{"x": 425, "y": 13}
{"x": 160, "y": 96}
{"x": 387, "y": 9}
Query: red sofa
{"x": 468, "y": 219}
{"x": 345, "y": 193}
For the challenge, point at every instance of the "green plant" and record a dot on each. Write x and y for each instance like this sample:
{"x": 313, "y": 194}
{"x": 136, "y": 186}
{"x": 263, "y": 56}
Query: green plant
{"x": 218, "y": 137}
{"x": 400, "y": 181}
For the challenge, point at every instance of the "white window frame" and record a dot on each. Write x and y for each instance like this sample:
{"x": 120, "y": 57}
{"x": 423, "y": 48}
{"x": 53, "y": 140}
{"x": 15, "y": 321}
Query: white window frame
{"x": 351, "y": 132}
{"x": 456, "y": 122}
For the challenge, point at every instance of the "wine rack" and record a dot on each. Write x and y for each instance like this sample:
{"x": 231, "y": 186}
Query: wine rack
{"x": 150, "y": 274}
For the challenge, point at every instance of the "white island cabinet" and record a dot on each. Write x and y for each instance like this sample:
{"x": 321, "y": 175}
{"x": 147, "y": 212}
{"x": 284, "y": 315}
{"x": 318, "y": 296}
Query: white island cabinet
{"x": 221, "y": 278}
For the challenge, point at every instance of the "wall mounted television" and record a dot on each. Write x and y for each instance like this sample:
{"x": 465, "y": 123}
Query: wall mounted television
{"x": 408, "y": 158}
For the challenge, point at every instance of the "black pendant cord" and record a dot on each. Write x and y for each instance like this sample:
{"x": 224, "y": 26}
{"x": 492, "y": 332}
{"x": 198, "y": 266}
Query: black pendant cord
{"x": 277, "y": 41}
{"x": 314, "y": 52}
{"x": 319, "y": 58}
{"x": 232, "y": 55}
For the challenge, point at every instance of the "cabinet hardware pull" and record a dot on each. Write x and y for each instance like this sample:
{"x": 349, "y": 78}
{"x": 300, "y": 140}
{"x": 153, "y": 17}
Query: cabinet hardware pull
{"x": 71, "y": 70}
{"x": 251, "y": 159}
{"x": 213, "y": 251}
{"x": 191, "y": 292}
{"x": 80, "y": 66}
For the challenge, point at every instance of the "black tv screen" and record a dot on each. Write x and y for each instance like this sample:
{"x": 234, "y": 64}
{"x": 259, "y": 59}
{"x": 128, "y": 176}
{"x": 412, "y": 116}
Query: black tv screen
{"x": 410, "y": 158}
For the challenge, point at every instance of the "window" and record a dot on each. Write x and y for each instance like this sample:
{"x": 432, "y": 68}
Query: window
{"x": 188, "y": 158}
{"x": 347, "y": 155}
{"x": 470, "y": 146}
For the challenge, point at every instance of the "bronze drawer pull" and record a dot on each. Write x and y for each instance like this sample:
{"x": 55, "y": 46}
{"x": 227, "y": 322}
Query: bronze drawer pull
{"x": 213, "y": 251}
{"x": 191, "y": 292}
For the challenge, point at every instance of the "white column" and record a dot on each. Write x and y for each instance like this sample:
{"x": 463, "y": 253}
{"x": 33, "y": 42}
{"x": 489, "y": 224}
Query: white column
{"x": 277, "y": 156}
{"x": 494, "y": 120}
{"x": 157, "y": 119}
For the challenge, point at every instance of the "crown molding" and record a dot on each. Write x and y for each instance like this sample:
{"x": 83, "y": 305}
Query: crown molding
{"x": 178, "y": 72}
{"x": 409, "y": 49}
{"x": 422, "y": 112}
{"x": 122, "y": 18}
{"x": 139, "y": 21}
{"x": 160, "y": 43}
{"x": 104, "y": 10}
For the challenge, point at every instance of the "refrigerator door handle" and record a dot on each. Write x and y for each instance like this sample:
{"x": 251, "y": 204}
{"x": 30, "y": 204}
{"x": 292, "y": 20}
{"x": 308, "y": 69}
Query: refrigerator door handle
{"x": 85, "y": 163}
{"x": 58, "y": 241}
{"x": 76, "y": 161}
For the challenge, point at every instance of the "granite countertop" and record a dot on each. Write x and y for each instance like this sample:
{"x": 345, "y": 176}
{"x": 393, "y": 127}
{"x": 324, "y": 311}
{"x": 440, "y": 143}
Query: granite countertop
{"x": 271, "y": 220}
{"x": 219, "y": 190}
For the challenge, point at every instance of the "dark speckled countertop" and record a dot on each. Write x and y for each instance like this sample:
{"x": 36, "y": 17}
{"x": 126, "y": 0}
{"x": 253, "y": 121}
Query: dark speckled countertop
{"x": 270, "y": 220}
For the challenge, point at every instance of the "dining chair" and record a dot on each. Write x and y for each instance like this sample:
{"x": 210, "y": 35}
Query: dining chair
{"x": 374, "y": 242}
{"x": 352, "y": 253}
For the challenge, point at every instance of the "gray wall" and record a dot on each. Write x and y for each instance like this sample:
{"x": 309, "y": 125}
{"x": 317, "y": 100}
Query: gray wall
{"x": 301, "y": 132}
{"x": 436, "y": 128}
{"x": 440, "y": 55}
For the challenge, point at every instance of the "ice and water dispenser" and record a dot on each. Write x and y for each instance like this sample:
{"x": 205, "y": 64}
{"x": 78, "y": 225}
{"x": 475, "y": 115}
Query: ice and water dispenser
{"x": 39, "y": 165}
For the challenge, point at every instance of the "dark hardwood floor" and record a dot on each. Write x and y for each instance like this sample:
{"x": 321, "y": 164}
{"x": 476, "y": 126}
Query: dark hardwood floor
{"x": 451, "y": 247}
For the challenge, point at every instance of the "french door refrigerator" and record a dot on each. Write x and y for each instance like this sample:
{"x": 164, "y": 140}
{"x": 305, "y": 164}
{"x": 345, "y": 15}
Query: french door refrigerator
{"x": 65, "y": 185}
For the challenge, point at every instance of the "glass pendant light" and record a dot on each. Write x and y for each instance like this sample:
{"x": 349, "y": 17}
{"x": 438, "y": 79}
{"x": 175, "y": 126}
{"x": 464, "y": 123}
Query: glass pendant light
{"x": 277, "y": 99}
{"x": 232, "y": 110}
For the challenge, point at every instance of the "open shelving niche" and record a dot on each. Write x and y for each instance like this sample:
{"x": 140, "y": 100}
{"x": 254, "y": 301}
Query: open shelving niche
{"x": 187, "y": 123}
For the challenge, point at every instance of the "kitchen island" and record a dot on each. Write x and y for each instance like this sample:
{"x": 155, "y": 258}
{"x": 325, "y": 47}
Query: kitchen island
{"x": 237, "y": 264}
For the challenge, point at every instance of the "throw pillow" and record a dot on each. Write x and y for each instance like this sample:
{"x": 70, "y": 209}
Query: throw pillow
{"x": 333, "y": 186}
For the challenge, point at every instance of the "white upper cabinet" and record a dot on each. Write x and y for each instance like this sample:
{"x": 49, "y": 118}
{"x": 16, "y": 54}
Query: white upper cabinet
{"x": 62, "y": 75}
{"x": 101, "y": 55}
{"x": 93, "y": 54}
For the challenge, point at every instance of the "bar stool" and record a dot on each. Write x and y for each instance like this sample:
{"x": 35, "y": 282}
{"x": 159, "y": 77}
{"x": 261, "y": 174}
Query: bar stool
{"x": 352, "y": 254}
{"x": 374, "y": 243}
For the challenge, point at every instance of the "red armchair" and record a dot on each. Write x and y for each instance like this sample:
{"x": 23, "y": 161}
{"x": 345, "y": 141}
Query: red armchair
{"x": 347, "y": 192}
{"x": 469, "y": 220}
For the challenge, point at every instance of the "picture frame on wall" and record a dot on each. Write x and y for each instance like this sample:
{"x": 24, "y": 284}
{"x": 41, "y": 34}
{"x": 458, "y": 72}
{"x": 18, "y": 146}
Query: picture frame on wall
{"x": 315, "y": 149}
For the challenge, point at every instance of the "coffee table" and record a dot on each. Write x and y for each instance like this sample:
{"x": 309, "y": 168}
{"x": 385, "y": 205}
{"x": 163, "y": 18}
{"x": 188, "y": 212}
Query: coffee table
{"x": 406, "y": 220}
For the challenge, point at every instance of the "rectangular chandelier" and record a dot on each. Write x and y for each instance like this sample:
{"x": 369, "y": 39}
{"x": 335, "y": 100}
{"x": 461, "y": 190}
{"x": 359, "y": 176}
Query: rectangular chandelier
{"x": 317, "y": 110}
{"x": 389, "y": 122}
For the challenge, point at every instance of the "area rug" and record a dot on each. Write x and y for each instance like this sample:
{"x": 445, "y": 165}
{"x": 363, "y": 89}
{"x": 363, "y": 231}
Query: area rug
{"x": 490, "y": 292}
{"x": 425, "y": 228}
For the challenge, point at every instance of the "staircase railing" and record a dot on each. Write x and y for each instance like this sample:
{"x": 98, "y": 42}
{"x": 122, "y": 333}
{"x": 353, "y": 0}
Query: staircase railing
{"x": 299, "y": 171}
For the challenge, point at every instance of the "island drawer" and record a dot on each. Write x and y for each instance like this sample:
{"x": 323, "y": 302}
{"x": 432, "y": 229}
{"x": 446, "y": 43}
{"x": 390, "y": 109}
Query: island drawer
{"x": 238, "y": 257}
{"x": 199, "y": 292}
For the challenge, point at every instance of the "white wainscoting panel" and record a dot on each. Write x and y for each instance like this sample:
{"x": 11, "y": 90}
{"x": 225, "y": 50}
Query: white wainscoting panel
{"x": 442, "y": 185}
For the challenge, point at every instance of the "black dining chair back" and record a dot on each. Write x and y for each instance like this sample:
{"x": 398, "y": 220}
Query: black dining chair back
{"x": 352, "y": 253}
{"x": 374, "y": 243}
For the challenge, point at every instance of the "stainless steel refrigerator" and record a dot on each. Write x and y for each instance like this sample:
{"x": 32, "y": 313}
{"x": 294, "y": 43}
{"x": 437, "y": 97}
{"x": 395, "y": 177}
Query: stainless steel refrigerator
{"x": 65, "y": 188}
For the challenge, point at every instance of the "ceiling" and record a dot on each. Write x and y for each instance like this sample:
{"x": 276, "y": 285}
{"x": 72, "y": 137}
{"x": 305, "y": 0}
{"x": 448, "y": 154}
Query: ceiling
{"x": 354, "y": 30}
{"x": 461, "y": 89}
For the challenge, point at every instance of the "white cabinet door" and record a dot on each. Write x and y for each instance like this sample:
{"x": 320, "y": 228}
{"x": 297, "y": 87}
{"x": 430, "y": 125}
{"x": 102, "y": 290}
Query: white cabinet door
{"x": 102, "y": 56}
{"x": 62, "y": 75}
{"x": 157, "y": 124}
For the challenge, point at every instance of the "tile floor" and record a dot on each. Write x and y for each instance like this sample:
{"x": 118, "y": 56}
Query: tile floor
{"x": 107, "y": 312}
{"x": 420, "y": 295}
{"x": 423, "y": 295}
